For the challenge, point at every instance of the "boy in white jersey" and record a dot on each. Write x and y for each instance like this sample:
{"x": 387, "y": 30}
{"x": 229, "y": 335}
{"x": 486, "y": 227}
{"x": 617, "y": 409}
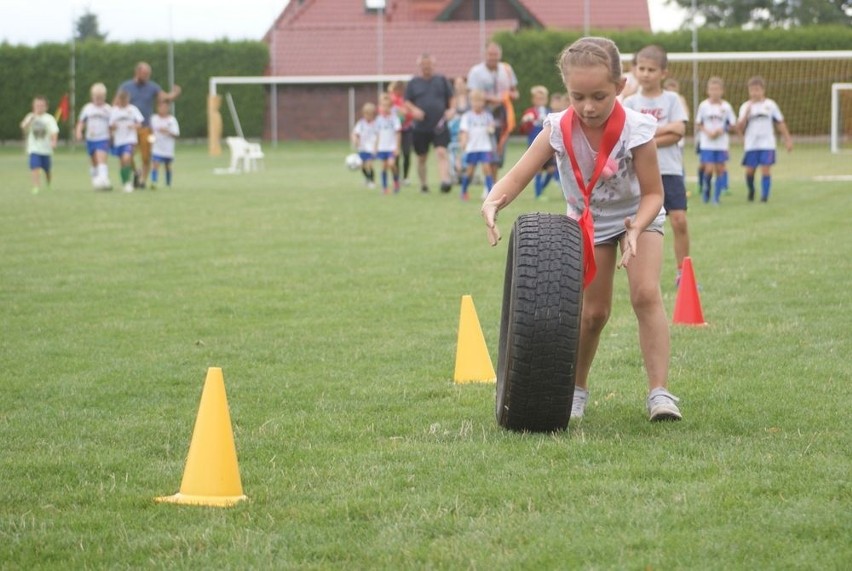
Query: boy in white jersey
{"x": 758, "y": 119}
{"x": 476, "y": 139}
{"x": 389, "y": 129}
{"x": 714, "y": 118}
{"x": 94, "y": 118}
{"x": 365, "y": 137}
{"x": 665, "y": 107}
{"x": 124, "y": 120}
{"x": 164, "y": 130}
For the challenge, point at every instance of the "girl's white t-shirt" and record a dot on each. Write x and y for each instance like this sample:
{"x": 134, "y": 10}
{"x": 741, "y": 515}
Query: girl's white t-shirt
{"x": 615, "y": 198}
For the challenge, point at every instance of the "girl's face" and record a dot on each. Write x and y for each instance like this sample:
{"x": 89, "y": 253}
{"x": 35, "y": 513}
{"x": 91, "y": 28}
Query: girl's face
{"x": 592, "y": 93}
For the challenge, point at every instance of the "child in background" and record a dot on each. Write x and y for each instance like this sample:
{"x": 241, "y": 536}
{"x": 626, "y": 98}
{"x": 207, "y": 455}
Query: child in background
{"x": 758, "y": 119}
{"x": 666, "y": 108}
{"x": 673, "y": 85}
{"x": 164, "y": 130}
{"x": 365, "y": 136}
{"x": 95, "y": 119}
{"x": 476, "y": 134}
{"x": 389, "y": 139}
{"x": 460, "y": 106}
{"x": 624, "y": 209}
{"x": 42, "y": 134}
{"x": 714, "y": 118}
{"x": 124, "y": 120}
{"x": 396, "y": 89}
{"x": 531, "y": 124}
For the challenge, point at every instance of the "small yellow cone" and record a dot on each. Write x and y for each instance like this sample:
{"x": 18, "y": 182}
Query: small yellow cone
{"x": 211, "y": 476}
{"x": 473, "y": 363}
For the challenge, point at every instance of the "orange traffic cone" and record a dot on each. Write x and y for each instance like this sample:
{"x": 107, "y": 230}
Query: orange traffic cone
{"x": 473, "y": 363}
{"x": 211, "y": 476}
{"x": 687, "y": 310}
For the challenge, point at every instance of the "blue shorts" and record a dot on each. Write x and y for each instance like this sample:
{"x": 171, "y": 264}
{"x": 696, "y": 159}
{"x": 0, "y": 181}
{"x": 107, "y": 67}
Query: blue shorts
{"x": 753, "y": 159}
{"x": 123, "y": 150}
{"x": 674, "y": 192}
{"x": 384, "y": 155}
{"x": 162, "y": 159}
{"x": 714, "y": 157}
{"x": 92, "y": 146}
{"x": 365, "y": 156}
{"x": 479, "y": 157}
{"x": 40, "y": 162}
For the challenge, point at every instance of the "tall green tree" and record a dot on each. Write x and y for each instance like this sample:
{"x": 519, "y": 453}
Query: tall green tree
{"x": 771, "y": 13}
{"x": 88, "y": 28}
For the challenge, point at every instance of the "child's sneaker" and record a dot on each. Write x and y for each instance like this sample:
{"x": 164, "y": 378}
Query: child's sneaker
{"x": 578, "y": 405}
{"x": 128, "y": 187}
{"x": 662, "y": 405}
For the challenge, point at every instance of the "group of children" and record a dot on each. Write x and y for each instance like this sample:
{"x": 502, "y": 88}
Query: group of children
{"x": 757, "y": 121}
{"x": 107, "y": 129}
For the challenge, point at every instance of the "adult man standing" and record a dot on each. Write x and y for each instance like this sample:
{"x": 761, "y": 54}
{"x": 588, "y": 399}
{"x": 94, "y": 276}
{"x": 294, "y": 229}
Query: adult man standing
{"x": 428, "y": 97}
{"x": 144, "y": 94}
{"x": 498, "y": 81}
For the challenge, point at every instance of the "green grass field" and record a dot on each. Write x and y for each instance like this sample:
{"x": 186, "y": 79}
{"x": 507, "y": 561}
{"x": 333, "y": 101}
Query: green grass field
{"x": 333, "y": 312}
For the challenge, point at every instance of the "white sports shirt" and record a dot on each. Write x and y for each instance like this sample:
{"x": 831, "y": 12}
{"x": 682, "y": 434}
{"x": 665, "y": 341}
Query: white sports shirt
{"x": 96, "y": 118}
{"x": 165, "y": 129}
{"x": 760, "y": 128}
{"x": 124, "y": 121}
{"x": 715, "y": 116}
{"x": 478, "y": 127}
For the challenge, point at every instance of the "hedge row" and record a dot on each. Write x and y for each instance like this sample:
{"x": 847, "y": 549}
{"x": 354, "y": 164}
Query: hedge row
{"x": 802, "y": 89}
{"x": 46, "y": 70}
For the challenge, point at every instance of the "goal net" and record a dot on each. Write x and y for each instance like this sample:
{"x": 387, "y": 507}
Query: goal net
{"x": 800, "y": 82}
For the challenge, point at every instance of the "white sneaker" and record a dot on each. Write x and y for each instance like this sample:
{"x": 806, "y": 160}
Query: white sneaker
{"x": 578, "y": 406}
{"x": 662, "y": 405}
{"x": 128, "y": 187}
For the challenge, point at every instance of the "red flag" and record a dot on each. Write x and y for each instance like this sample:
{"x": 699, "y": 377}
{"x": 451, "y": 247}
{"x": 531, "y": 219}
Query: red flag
{"x": 63, "y": 110}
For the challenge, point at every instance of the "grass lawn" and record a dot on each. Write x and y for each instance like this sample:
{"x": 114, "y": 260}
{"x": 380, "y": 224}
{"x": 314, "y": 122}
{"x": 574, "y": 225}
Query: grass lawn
{"x": 333, "y": 312}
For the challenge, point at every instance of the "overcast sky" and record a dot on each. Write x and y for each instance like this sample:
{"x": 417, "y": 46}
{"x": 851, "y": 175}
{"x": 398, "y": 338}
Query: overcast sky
{"x": 32, "y": 22}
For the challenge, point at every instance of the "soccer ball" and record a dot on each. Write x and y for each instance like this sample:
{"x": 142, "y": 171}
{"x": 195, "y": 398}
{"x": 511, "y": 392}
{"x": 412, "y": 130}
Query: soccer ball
{"x": 353, "y": 162}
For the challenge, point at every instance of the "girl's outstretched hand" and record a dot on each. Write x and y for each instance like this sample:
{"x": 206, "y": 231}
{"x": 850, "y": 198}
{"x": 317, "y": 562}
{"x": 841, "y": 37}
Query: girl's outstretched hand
{"x": 489, "y": 213}
{"x": 628, "y": 243}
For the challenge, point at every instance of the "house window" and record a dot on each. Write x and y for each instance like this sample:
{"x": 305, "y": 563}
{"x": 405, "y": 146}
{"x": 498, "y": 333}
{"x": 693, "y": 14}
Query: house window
{"x": 487, "y": 5}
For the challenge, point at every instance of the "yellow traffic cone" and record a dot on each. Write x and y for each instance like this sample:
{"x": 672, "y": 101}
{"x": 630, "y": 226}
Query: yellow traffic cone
{"x": 473, "y": 363}
{"x": 211, "y": 476}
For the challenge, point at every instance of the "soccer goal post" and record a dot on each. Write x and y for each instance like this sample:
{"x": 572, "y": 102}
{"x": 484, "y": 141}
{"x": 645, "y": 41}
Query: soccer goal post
{"x": 841, "y": 114}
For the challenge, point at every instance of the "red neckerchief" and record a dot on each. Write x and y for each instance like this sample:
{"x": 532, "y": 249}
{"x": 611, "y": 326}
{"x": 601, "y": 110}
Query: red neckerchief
{"x": 612, "y": 131}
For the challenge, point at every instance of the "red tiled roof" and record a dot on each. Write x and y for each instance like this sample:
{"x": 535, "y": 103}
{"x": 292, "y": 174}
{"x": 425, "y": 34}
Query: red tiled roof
{"x": 610, "y": 15}
{"x": 340, "y": 37}
{"x": 347, "y": 49}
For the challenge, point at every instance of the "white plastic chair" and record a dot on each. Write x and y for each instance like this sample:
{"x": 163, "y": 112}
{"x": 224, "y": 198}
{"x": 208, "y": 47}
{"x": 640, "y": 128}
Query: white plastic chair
{"x": 245, "y": 156}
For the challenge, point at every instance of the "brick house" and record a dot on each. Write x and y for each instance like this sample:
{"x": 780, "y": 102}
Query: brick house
{"x": 354, "y": 38}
